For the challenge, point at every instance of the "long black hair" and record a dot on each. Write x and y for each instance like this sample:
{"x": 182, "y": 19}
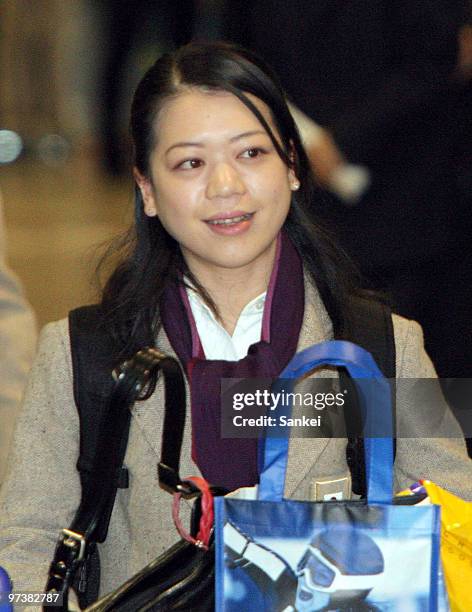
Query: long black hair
{"x": 152, "y": 257}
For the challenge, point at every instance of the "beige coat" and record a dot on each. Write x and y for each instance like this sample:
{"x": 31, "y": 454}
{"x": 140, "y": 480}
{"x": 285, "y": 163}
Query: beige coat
{"x": 42, "y": 490}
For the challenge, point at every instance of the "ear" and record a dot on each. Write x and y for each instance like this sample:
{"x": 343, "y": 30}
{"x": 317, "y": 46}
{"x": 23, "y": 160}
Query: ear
{"x": 147, "y": 192}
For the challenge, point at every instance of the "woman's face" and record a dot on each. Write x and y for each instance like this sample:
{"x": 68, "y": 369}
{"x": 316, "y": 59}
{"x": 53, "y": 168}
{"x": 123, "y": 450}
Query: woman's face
{"x": 216, "y": 181}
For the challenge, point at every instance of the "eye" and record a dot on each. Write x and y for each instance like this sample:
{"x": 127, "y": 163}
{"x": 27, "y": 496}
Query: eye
{"x": 252, "y": 153}
{"x": 189, "y": 164}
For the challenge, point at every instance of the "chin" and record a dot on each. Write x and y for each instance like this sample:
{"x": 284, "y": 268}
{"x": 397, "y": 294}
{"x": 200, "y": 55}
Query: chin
{"x": 241, "y": 259}
{"x": 232, "y": 263}
{"x": 233, "y": 257}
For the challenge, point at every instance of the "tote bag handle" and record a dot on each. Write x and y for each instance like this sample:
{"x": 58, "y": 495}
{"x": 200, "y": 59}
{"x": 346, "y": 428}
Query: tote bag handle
{"x": 374, "y": 394}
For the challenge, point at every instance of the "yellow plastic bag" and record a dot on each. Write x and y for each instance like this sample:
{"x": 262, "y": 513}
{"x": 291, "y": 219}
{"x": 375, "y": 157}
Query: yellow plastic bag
{"x": 456, "y": 545}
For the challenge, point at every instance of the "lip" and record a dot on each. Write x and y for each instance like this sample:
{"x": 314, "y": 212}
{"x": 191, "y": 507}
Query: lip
{"x": 230, "y": 229}
{"x": 228, "y": 215}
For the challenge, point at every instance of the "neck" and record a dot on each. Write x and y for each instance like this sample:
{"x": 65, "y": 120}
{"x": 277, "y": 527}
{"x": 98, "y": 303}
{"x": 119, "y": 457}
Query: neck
{"x": 232, "y": 288}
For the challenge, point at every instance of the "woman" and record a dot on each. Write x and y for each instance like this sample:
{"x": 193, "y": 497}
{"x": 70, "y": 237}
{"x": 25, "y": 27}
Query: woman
{"x": 227, "y": 252}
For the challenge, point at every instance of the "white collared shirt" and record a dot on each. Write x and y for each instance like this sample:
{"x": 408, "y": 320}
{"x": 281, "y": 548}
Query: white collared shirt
{"x": 216, "y": 341}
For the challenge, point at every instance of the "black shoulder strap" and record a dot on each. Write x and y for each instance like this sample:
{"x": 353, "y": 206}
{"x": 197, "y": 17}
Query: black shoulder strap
{"x": 78, "y": 542}
{"x": 367, "y": 323}
{"x": 92, "y": 348}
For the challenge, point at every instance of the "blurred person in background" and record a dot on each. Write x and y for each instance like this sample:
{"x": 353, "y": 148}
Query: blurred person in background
{"x": 386, "y": 82}
{"x": 17, "y": 347}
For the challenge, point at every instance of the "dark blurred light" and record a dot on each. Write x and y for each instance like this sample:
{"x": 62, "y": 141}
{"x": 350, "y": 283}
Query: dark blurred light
{"x": 53, "y": 149}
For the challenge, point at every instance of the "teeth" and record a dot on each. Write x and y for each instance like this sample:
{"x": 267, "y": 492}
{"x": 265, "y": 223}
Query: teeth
{"x": 232, "y": 221}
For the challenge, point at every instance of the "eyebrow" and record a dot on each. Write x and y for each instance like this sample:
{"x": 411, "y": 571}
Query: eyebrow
{"x": 232, "y": 139}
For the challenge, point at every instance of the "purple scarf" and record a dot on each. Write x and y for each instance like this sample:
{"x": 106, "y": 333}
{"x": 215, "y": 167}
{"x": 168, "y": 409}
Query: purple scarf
{"x": 232, "y": 463}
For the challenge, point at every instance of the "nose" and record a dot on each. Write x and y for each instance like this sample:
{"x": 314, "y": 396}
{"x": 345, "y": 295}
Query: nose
{"x": 224, "y": 182}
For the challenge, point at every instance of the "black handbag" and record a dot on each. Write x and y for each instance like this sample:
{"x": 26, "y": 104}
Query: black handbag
{"x": 182, "y": 578}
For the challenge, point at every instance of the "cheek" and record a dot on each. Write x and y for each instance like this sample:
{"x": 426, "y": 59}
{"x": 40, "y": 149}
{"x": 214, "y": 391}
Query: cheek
{"x": 178, "y": 199}
{"x": 282, "y": 194}
{"x": 172, "y": 205}
{"x": 273, "y": 187}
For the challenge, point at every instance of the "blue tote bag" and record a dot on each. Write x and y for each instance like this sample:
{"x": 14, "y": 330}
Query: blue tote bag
{"x": 281, "y": 556}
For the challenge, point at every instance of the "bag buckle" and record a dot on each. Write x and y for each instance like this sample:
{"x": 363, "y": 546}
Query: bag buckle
{"x": 74, "y": 540}
{"x": 170, "y": 480}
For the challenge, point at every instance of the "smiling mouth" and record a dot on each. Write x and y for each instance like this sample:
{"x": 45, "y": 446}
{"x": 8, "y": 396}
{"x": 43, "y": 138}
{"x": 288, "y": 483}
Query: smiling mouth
{"x": 231, "y": 221}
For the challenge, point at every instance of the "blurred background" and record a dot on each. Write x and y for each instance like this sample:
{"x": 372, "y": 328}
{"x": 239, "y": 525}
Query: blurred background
{"x": 381, "y": 90}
